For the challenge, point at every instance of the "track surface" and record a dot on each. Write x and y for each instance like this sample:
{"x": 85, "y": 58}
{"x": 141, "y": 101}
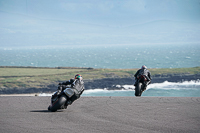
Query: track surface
{"x": 101, "y": 114}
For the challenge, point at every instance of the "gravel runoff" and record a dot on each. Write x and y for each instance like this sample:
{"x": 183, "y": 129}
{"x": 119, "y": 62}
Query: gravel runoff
{"x": 28, "y": 114}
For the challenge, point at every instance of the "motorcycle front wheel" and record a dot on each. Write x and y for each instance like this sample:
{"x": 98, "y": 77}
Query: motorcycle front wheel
{"x": 58, "y": 103}
{"x": 138, "y": 90}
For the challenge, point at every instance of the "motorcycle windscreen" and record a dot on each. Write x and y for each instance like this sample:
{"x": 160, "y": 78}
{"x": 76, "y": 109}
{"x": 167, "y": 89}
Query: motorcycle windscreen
{"x": 69, "y": 92}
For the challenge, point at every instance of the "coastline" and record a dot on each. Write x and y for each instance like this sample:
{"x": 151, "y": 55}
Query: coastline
{"x": 108, "y": 83}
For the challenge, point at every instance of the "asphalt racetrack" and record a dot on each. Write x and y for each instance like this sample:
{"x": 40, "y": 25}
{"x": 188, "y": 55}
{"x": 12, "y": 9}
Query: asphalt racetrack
{"x": 28, "y": 114}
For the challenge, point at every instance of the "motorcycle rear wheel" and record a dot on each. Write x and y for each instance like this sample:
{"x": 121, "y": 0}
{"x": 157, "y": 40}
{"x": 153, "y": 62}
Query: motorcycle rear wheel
{"x": 58, "y": 103}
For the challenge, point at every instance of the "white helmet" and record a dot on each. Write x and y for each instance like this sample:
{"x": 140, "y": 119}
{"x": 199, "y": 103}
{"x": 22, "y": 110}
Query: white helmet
{"x": 143, "y": 67}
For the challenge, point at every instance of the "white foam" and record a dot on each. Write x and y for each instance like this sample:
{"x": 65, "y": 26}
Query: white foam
{"x": 95, "y": 90}
{"x": 128, "y": 87}
{"x": 103, "y": 92}
{"x": 175, "y": 85}
{"x": 45, "y": 94}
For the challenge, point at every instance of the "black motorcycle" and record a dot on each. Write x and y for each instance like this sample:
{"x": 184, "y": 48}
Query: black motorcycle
{"x": 141, "y": 85}
{"x": 61, "y": 101}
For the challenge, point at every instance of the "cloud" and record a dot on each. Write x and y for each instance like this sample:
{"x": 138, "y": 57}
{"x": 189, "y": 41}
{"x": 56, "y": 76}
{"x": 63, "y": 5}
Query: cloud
{"x": 137, "y": 6}
{"x": 98, "y": 21}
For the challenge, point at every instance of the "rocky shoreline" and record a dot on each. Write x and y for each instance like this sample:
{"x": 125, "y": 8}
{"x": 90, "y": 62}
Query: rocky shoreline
{"x": 108, "y": 83}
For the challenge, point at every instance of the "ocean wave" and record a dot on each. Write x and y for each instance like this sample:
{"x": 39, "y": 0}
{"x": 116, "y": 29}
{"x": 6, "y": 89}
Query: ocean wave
{"x": 193, "y": 84}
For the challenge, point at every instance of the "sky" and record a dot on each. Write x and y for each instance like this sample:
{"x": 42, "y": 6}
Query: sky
{"x": 98, "y": 22}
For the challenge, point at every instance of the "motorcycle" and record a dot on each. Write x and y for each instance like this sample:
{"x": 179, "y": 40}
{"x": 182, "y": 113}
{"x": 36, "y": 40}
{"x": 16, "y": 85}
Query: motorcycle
{"x": 61, "y": 101}
{"x": 141, "y": 85}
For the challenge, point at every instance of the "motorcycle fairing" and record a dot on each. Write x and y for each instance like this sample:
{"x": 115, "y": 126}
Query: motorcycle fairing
{"x": 69, "y": 92}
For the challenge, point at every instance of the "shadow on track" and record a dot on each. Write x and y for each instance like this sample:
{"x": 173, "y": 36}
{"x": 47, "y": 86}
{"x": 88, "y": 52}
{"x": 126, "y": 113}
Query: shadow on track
{"x": 45, "y": 111}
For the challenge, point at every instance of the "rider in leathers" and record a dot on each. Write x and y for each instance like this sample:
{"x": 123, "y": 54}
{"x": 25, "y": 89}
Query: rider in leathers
{"x": 77, "y": 85}
{"x": 143, "y": 71}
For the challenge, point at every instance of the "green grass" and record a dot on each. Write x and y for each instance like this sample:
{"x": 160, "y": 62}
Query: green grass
{"x": 193, "y": 70}
{"x": 11, "y": 77}
{"x": 34, "y": 71}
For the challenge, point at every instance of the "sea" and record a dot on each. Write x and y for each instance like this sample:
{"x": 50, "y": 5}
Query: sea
{"x": 115, "y": 57}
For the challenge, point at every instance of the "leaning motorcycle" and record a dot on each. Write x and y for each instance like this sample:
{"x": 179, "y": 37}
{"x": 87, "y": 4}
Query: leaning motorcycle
{"x": 140, "y": 85}
{"x": 61, "y": 101}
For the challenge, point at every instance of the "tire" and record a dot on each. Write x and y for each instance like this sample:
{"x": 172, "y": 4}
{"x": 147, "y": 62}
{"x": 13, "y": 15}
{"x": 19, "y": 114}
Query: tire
{"x": 138, "y": 91}
{"x": 58, "y": 103}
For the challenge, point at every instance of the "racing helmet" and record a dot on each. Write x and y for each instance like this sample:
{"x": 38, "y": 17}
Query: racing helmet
{"x": 78, "y": 76}
{"x": 143, "y": 67}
